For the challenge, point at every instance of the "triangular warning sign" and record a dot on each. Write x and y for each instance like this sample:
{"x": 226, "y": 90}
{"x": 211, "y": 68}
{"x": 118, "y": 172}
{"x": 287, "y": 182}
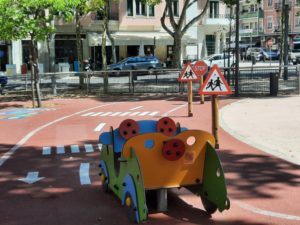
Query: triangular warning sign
{"x": 188, "y": 74}
{"x": 215, "y": 83}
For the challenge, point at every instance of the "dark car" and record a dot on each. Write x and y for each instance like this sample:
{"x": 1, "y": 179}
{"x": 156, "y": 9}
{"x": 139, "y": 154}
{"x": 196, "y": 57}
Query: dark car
{"x": 137, "y": 63}
{"x": 267, "y": 54}
{"x": 3, "y": 82}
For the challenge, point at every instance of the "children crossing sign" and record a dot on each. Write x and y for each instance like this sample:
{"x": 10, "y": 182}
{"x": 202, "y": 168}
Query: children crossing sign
{"x": 215, "y": 83}
{"x": 188, "y": 74}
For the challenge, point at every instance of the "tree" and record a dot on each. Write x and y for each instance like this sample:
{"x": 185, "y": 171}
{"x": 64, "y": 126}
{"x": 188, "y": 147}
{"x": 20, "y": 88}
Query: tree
{"x": 178, "y": 28}
{"x": 22, "y": 19}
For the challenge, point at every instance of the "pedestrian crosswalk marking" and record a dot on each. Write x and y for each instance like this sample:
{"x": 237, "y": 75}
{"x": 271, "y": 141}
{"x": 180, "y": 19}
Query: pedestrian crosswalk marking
{"x": 115, "y": 114}
{"x": 72, "y": 149}
{"x": 60, "y": 150}
{"x": 97, "y": 114}
{"x": 88, "y": 148}
{"x": 75, "y": 149}
{"x": 121, "y": 114}
{"x": 99, "y": 127}
{"x": 47, "y": 150}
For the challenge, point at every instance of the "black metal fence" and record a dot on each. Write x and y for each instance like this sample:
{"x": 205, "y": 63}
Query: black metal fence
{"x": 252, "y": 81}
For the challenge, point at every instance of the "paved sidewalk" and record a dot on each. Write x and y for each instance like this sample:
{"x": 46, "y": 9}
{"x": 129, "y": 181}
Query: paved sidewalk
{"x": 269, "y": 124}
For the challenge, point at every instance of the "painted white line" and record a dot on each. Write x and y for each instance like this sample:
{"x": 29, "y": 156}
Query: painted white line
{"x": 266, "y": 212}
{"x": 125, "y": 113}
{"x": 11, "y": 151}
{"x": 99, "y": 127}
{"x": 116, "y": 113}
{"x": 60, "y": 150}
{"x": 153, "y": 113}
{"x": 75, "y": 149}
{"x": 144, "y": 113}
{"x": 168, "y": 99}
{"x": 46, "y": 150}
{"x": 135, "y": 113}
{"x": 173, "y": 110}
{"x": 87, "y": 114}
{"x": 84, "y": 173}
{"x": 31, "y": 177}
{"x": 136, "y": 108}
{"x": 97, "y": 114}
{"x": 106, "y": 114}
{"x": 88, "y": 148}
{"x": 100, "y": 147}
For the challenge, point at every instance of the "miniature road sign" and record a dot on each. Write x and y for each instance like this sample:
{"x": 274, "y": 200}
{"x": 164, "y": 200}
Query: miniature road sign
{"x": 200, "y": 68}
{"x": 215, "y": 83}
{"x": 188, "y": 74}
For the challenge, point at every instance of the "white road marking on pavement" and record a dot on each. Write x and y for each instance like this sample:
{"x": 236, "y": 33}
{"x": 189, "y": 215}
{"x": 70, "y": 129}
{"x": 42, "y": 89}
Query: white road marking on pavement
{"x": 116, "y": 113}
{"x": 99, "y": 127}
{"x": 136, "y": 108}
{"x": 135, "y": 113}
{"x": 106, "y": 114}
{"x": 266, "y": 212}
{"x": 100, "y": 147}
{"x": 88, "y": 148}
{"x": 60, "y": 150}
{"x": 125, "y": 113}
{"x": 144, "y": 113}
{"x": 87, "y": 114}
{"x": 47, "y": 150}
{"x": 97, "y": 114}
{"x": 168, "y": 99}
{"x": 153, "y": 113}
{"x": 31, "y": 177}
{"x": 75, "y": 149}
{"x": 11, "y": 151}
{"x": 84, "y": 173}
{"x": 173, "y": 110}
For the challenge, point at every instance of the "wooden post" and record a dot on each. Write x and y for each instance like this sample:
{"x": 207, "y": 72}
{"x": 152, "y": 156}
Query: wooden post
{"x": 190, "y": 98}
{"x": 201, "y": 95}
{"x": 215, "y": 119}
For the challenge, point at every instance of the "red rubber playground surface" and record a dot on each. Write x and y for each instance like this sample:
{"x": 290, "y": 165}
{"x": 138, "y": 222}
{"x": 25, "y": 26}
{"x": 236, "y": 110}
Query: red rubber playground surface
{"x": 49, "y": 166}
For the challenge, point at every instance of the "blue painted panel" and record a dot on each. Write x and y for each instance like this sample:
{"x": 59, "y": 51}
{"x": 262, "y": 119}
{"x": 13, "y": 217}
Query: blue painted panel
{"x": 130, "y": 188}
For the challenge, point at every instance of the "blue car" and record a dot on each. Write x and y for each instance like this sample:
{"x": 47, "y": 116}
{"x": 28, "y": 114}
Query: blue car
{"x": 267, "y": 54}
{"x": 137, "y": 63}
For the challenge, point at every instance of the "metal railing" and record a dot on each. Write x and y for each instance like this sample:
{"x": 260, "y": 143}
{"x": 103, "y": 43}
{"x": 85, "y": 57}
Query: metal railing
{"x": 252, "y": 81}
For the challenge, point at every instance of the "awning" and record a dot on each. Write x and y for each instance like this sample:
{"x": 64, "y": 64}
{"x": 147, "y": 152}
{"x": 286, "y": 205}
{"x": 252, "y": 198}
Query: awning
{"x": 137, "y": 38}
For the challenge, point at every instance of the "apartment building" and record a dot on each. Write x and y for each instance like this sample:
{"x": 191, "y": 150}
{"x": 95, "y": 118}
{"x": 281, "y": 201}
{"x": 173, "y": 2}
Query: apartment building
{"x": 136, "y": 29}
{"x": 272, "y": 24}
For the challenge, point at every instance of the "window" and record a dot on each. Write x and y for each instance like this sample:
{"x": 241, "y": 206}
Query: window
{"x": 175, "y": 7}
{"x": 129, "y": 7}
{"x": 139, "y": 8}
{"x": 270, "y": 2}
{"x": 269, "y": 22}
{"x": 213, "y": 9}
{"x": 297, "y": 21}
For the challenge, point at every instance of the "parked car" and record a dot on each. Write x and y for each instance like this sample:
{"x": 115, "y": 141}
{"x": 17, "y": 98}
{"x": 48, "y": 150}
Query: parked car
{"x": 220, "y": 59}
{"x": 138, "y": 62}
{"x": 252, "y": 52}
{"x": 267, "y": 54}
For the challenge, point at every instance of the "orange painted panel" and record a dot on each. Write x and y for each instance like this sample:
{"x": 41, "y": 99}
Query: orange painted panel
{"x": 159, "y": 172}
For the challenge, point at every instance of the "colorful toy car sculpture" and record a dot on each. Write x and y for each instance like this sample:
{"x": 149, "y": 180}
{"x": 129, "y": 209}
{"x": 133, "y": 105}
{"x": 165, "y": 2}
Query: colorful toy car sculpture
{"x": 155, "y": 155}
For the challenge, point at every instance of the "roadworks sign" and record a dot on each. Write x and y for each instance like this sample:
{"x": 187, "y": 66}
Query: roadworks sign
{"x": 215, "y": 83}
{"x": 188, "y": 74}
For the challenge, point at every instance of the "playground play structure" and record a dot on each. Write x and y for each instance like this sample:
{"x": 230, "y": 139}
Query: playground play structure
{"x": 144, "y": 156}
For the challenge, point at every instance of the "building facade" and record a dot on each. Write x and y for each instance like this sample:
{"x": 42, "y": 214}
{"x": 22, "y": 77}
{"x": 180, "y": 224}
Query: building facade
{"x": 136, "y": 29}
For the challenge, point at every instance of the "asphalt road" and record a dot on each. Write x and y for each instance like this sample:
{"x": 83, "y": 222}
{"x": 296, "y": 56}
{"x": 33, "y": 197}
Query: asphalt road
{"x": 51, "y": 148}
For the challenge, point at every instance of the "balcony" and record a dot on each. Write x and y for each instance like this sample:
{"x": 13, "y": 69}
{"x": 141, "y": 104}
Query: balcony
{"x": 278, "y": 29}
{"x": 278, "y": 5}
{"x": 216, "y": 19}
{"x": 247, "y": 15}
{"x": 251, "y": 32}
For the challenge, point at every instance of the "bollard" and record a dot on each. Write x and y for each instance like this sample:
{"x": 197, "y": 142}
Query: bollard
{"x": 53, "y": 84}
{"x": 274, "y": 84}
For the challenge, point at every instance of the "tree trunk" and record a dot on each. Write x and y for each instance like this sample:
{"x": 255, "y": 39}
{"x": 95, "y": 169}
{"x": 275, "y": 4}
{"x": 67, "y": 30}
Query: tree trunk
{"x": 35, "y": 72}
{"x": 176, "y": 60}
{"x": 111, "y": 39}
{"x": 49, "y": 54}
{"x": 79, "y": 48}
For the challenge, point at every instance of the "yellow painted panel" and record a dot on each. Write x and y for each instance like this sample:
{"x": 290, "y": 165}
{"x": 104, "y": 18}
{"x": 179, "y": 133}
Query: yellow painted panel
{"x": 157, "y": 171}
